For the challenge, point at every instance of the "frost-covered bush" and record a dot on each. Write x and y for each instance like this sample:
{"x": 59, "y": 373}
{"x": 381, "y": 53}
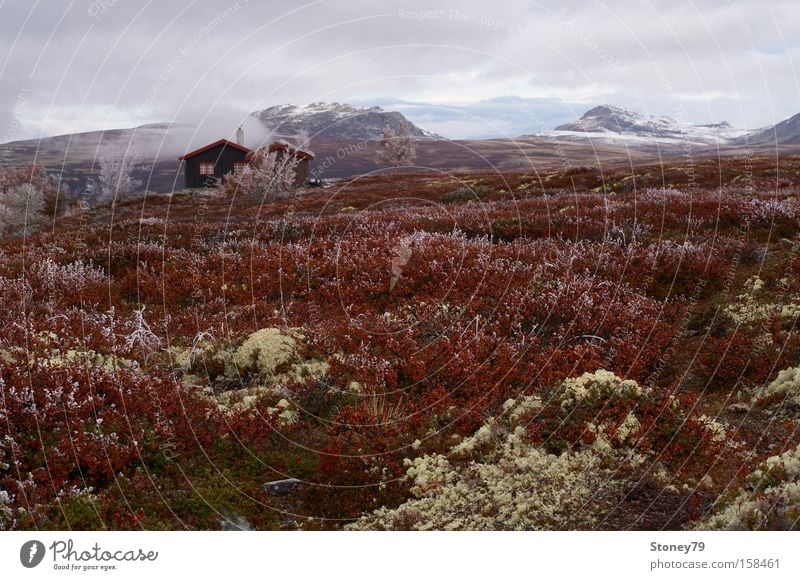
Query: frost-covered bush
{"x": 15, "y": 293}
{"x": 115, "y": 178}
{"x": 6, "y": 515}
{"x": 770, "y": 500}
{"x": 20, "y": 210}
{"x": 140, "y": 337}
{"x": 396, "y": 149}
{"x": 48, "y": 194}
{"x": 72, "y": 275}
{"x": 269, "y": 175}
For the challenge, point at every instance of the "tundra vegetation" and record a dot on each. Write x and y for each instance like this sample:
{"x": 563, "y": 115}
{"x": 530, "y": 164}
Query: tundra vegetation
{"x": 555, "y": 352}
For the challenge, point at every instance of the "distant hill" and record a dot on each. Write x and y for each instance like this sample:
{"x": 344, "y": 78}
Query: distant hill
{"x": 335, "y": 121}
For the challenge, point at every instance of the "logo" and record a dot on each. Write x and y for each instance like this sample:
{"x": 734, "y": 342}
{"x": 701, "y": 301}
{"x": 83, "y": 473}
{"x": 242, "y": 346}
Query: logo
{"x": 31, "y": 553}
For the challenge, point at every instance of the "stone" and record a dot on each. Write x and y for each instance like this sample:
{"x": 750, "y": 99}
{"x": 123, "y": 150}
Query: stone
{"x": 739, "y": 408}
{"x": 282, "y": 486}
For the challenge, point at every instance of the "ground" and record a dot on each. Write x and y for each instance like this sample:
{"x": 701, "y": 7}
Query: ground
{"x": 162, "y": 359}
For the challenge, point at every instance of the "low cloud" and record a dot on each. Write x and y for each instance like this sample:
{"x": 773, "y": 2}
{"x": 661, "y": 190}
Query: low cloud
{"x": 86, "y": 65}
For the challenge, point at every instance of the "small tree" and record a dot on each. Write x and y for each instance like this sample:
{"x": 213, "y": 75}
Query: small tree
{"x": 20, "y": 210}
{"x": 397, "y": 150}
{"x": 54, "y": 194}
{"x": 269, "y": 175}
{"x": 115, "y": 179}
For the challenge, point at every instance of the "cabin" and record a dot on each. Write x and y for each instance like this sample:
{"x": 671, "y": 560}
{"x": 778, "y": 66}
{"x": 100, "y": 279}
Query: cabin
{"x": 208, "y": 166}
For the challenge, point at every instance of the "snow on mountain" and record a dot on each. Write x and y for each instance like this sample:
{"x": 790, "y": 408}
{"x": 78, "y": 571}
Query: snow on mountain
{"x": 335, "y": 120}
{"x": 786, "y": 132}
{"x": 616, "y": 125}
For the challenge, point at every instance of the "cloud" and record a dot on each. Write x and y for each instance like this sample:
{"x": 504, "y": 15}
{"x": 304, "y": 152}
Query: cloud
{"x": 93, "y": 64}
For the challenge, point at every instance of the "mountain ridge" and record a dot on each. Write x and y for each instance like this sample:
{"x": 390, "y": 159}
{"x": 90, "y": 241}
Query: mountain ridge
{"x": 615, "y": 124}
{"x": 335, "y": 120}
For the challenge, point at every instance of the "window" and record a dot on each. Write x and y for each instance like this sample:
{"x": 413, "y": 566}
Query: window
{"x": 206, "y": 168}
{"x": 238, "y": 167}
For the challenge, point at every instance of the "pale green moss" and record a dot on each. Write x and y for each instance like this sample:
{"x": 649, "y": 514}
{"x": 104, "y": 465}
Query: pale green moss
{"x": 7, "y": 357}
{"x": 496, "y": 479}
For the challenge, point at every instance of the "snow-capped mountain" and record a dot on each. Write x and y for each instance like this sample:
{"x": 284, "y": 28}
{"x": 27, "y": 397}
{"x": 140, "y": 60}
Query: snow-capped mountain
{"x": 786, "y": 132}
{"x": 335, "y": 120}
{"x": 616, "y": 125}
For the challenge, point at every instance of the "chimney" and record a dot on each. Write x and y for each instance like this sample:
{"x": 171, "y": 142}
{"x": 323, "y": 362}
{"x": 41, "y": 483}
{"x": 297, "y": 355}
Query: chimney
{"x": 240, "y": 136}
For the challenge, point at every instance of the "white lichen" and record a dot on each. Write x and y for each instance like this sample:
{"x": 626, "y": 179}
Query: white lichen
{"x": 786, "y": 384}
{"x": 525, "y": 489}
{"x": 749, "y": 307}
{"x": 769, "y": 501}
{"x": 599, "y": 384}
{"x": 268, "y": 351}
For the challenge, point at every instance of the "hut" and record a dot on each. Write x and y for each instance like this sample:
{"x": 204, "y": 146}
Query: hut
{"x": 208, "y": 166}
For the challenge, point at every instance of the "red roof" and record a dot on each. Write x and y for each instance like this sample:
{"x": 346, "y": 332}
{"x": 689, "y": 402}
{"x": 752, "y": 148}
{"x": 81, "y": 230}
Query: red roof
{"x": 225, "y": 142}
{"x": 284, "y": 147}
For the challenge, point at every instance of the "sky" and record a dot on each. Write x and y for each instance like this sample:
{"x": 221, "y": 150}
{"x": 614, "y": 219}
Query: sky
{"x": 466, "y": 69}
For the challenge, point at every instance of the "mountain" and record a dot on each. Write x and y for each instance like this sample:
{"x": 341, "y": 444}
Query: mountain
{"x": 74, "y": 157}
{"x": 335, "y": 121}
{"x": 784, "y": 133}
{"x": 614, "y": 124}
{"x": 331, "y": 126}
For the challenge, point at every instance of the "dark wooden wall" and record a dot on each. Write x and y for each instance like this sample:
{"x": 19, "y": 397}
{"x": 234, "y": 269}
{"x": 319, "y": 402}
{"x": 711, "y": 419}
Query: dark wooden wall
{"x": 223, "y": 158}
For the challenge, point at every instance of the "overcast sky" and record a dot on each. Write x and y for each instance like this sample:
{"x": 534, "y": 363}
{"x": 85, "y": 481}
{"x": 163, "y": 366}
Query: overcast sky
{"x": 450, "y": 66}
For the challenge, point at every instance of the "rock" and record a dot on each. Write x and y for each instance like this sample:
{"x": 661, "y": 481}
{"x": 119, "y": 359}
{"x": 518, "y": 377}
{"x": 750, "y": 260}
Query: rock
{"x": 282, "y": 486}
{"x": 739, "y": 408}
